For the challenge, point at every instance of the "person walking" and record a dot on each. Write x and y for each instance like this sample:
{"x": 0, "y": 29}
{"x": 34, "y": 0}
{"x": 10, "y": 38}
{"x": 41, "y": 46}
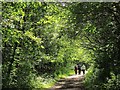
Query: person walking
{"x": 79, "y": 68}
{"x": 83, "y": 68}
{"x": 75, "y": 69}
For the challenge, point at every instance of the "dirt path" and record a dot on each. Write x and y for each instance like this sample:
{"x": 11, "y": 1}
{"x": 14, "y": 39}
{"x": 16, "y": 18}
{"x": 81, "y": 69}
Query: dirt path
{"x": 74, "y": 82}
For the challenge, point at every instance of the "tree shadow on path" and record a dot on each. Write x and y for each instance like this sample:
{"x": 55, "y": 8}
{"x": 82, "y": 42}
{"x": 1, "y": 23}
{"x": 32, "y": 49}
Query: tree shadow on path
{"x": 74, "y": 82}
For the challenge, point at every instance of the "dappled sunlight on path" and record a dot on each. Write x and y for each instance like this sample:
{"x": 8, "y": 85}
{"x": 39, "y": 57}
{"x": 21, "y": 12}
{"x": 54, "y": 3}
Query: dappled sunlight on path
{"x": 74, "y": 82}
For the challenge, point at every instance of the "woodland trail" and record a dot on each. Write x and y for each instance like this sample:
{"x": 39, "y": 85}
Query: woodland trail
{"x": 74, "y": 82}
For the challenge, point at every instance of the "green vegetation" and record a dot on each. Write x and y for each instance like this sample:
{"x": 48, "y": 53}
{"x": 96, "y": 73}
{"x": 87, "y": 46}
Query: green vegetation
{"x": 99, "y": 23}
{"x": 41, "y": 42}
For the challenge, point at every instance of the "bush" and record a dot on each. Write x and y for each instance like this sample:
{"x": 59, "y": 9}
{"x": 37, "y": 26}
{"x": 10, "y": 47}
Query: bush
{"x": 113, "y": 83}
{"x": 92, "y": 80}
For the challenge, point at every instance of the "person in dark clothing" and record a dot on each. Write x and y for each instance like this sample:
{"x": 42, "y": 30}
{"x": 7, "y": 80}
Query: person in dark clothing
{"x": 75, "y": 69}
{"x": 79, "y": 68}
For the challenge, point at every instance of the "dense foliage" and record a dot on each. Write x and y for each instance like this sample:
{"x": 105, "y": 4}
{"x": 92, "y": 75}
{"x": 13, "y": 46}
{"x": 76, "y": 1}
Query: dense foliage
{"x": 36, "y": 43}
{"x": 99, "y": 24}
{"x": 44, "y": 40}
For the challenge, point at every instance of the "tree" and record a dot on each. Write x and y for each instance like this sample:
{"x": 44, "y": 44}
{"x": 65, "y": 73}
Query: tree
{"x": 98, "y": 26}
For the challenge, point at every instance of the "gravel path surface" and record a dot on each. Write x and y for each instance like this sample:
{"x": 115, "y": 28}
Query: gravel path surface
{"x": 74, "y": 82}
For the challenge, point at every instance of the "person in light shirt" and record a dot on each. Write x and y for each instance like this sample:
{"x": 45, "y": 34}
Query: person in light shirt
{"x": 83, "y": 68}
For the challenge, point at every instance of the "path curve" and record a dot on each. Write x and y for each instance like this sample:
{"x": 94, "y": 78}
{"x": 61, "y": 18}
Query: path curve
{"x": 74, "y": 82}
